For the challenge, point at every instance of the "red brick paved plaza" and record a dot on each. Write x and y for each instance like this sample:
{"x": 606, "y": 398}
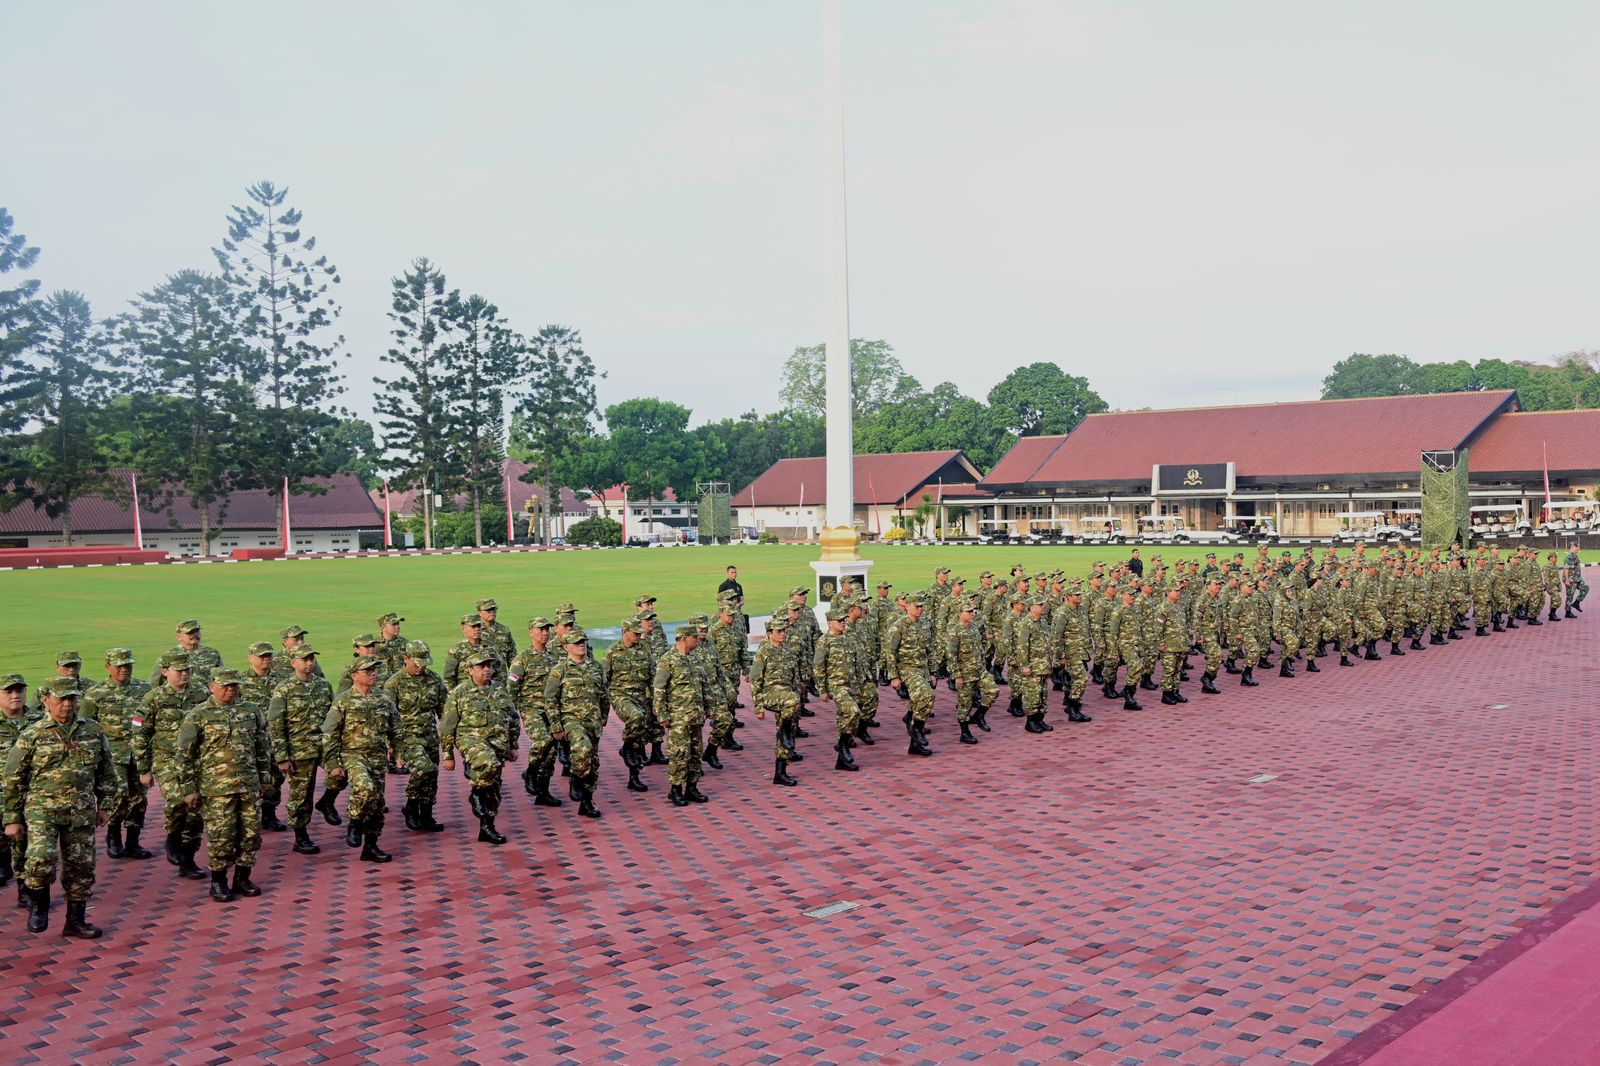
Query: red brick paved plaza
{"x": 1117, "y": 892}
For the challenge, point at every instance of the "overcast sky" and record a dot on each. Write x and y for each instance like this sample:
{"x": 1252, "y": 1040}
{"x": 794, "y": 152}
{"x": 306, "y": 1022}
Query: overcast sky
{"x": 1187, "y": 203}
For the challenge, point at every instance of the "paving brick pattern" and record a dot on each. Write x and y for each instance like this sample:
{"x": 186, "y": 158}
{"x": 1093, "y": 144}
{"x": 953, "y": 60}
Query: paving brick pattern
{"x": 1113, "y": 893}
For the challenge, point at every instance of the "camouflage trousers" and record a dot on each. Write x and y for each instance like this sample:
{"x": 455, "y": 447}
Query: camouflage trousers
{"x": 686, "y": 744}
{"x": 484, "y": 767}
{"x": 50, "y": 841}
{"x": 1030, "y": 687}
{"x": 919, "y": 692}
{"x": 177, "y": 818}
{"x": 846, "y": 712}
{"x": 583, "y": 740}
{"x": 1171, "y": 670}
{"x": 132, "y": 800}
{"x": 233, "y": 829}
{"x": 1137, "y": 671}
{"x": 419, "y": 749}
{"x": 541, "y": 744}
{"x": 1077, "y": 678}
{"x": 274, "y": 794}
{"x": 1290, "y": 641}
{"x": 1482, "y": 608}
{"x": 1212, "y": 649}
{"x": 1369, "y": 625}
{"x": 302, "y": 781}
{"x": 635, "y": 719}
{"x": 1441, "y": 617}
{"x": 785, "y": 707}
{"x": 721, "y": 713}
{"x": 974, "y": 693}
{"x": 364, "y": 775}
{"x": 867, "y": 699}
{"x": 1247, "y": 647}
{"x": 1336, "y": 630}
{"x": 1577, "y": 589}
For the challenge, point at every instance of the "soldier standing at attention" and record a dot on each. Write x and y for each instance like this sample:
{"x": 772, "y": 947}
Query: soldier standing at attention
{"x": 1208, "y": 631}
{"x": 629, "y": 675}
{"x": 57, "y": 785}
{"x": 575, "y": 693}
{"x": 1071, "y": 642}
{"x": 418, "y": 695}
{"x": 115, "y": 704}
{"x": 470, "y": 644}
{"x": 223, "y": 751}
{"x": 975, "y": 688}
{"x": 496, "y": 634}
{"x": 679, "y": 699}
{"x": 481, "y": 722}
{"x": 732, "y": 650}
{"x": 907, "y": 656}
{"x": 155, "y": 752}
{"x": 202, "y": 658}
{"x": 527, "y": 677}
{"x": 255, "y": 688}
{"x": 357, "y": 736}
{"x": 1030, "y": 649}
{"x": 392, "y": 648}
{"x": 294, "y": 727}
{"x": 13, "y": 697}
{"x": 834, "y": 666}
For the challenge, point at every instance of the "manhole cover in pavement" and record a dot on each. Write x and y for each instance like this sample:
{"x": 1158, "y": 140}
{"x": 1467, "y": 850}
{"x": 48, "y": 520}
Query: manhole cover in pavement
{"x": 831, "y": 909}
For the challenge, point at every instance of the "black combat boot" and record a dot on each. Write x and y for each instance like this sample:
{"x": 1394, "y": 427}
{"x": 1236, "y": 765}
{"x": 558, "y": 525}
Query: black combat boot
{"x": 1044, "y": 726}
{"x": 1372, "y": 650}
{"x": 78, "y": 926}
{"x": 1264, "y": 662}
{"x": 780, "y": 776}
{"x": 864, "y": 734}
{"x": 186, "y": 864}
{"x": 918, "y": 745}
{"x": 1454, "y": 634}
{"x": 693, "y": 794}
{"x": 1129, "y": 703}
{"x": 1285, "y": 669}
{"x": 634, "y": 784}
{"x": 409, "y": 814}
{"x": 1416, "y": 642}
{"x": 242, "y": 885}
{"x": 657, "y": 756}
{"x": 1395, "y": 648}
{"x": 1109, "y": 690}
{"x": 174, "y": 849}
{"x": 370, "y": 852}
{"x": 845, "y": 761}
{"x": 1533, "y": 620}
{"x": 1229, "y": 665}
{"x": 1312, "y": 667}
{"x": 883, "y": 675}
{"x": 709, "y": 757}
{"x": 130, "y": 844}
{"x": 1344, "y": 659}
{"x": 1166, "y": 698}
{"x": 38, "y": 900}
{"x": 1208, "y": 684}
{"x": 303, "y": 843}
{"x": 6, "y": 872}
{"x": 966, "y": 734}
{"x": 1511, "y": 623}
{"x": 113, "y": 841}
{"x": 487, "y": 833}
{"x": 1248, "y": 678}
{"x": 352, "y": 833}
{"x": 1014, "y": 708}
{"x": 1075, "y": 712}
{"x": 1096, "y": 674}
{"x": 269, "y": 819}
{"x": 529, "y": 777}
{"x": 1568, "y": 614}
{"x": 980, "y": 718}
{"x": 219, "y": 887}
{"x": 1437, "y": 639}
{"x": 543, "y": 798}
{"x": 425, "y": 816}
{"x": 1147, "y": 684}
{"x": 325, "y": 807}
{"x": 1178, "y": 697}
{"x": 730, "y": 744}
{"x": 675, "y": 793}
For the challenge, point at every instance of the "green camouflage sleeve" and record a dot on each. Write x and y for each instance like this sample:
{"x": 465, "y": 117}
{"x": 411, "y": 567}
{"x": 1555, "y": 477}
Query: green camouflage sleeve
{"x": 107, "y": 782}
{"x": 333, "y": 738}
{"x": 19, "y": 767}
{"x": 263, "y": 748}
{"x": 188, "y": 753}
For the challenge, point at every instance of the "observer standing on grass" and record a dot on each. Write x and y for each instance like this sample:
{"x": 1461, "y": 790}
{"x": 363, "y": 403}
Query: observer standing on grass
{"x": 731, "y": 584}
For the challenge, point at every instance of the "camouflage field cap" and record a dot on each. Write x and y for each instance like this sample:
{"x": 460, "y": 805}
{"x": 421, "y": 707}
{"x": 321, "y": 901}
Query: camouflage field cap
{"x": 916, "y": 599}
{"x": 367, "y": 662}
{"x": 777, "y": 625}
{"x": 940, "y": 570}
{"x": 644, "y": 600}
{"x": 363, "y": 640}
{"x": 418, "y": 650}
{"x": 647, "y": 616}
{"x": 1075, "y": 589}
{"x": 885, "y": 585}
{"x": 60, "y": 687}
{"x": 837, "y": 614}
{"x": 304, "y": 651}
{"x": 632, "y": 625}
{"x": 472, "y": 620}
{"x": 792, "y": 605}
{"x": 985, "y": 573}
{"x": 10, "y": 681}
{"x": 699, "y": 620}
{"x": 227, "y": 677}
{"x": 391, "y": 619}
{"x": 539, "y": 621}
{"x": 190, "y": 625}
{"x": 262, "y": 649}
{"x": 487, "y": 605}
{"x": 967, "y": 605}
{"x": 576, "y": 636}
{"x": 799, "y": 590}
{"x": 295, "y": 631}
{"x": 69, "y": 658}
{"x": 566, "y": 608}
{"x": 174, "y": 660}
{"x": 119, "y": 657}
{"x": 957, "y": 581}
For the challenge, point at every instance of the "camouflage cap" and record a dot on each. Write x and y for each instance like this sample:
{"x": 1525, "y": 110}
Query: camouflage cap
{"x": 261, "y": 648}
{"x": 471, "y": 619}
{"x": 1075, "y": 589}
{"x": 966, "y": 605}
{"x": 419, "y": 650}
{"x": 174, "y": 660}
{"x": 304, "y": 651}
{"x": 391, "y": 619}
{"x": 632, "y": 625}
{"x": 647, "y": 616}
{"x": 189, "y": 625}
{"x": 367, "y": 662}
{"x": 566, "y": 608}
{"x": 777, "y": 625}
{"x": 837, "y": 614}
{"x": 576, "y": 636}
{"x": 728, "y": 596}
{"x": 61, "y": 688}
{"x": 69, "y": 658}
{"x": 363, "y": 640}
{"x": 10, "y": 681}
{"x": 916, "y": 599}
{"x": 119, "y": 657}
{"x": 885, "y": 585}
{"x": 539, "y": 621}
{"x": 985, "y": 573}
{"x": 940, "y": 570}
{"x": 791, "y": 605}
{"x": 799, "y": 590}
{"x": 697, "y": 619}
{"x": 294, "y": 631}
{"x": 487, "y": 605}
{"x": 643, "y": 600}
{"x": 227, "y": 677}
{"x": 957, "y": 581}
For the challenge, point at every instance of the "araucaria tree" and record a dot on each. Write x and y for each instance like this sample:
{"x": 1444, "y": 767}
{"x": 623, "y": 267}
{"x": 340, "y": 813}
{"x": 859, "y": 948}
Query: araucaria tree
{"x": 557, "y": 409}
{"x": 481, "y": 363}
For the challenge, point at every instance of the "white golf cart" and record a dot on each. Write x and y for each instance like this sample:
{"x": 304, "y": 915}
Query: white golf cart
{"x": 1100, "y": 529}
{"x": 1050, "y": 531}
{"x": 999, "y": 531}
{"x": 1249, "y": 527}
{"x": 1497, "y": 520}
{"x": 1163, "y": 529}
{"x": 1570, "y": 516}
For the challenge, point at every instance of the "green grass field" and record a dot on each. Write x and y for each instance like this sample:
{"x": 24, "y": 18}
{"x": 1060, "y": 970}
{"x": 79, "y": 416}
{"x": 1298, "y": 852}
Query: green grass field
{"x": 46, "y": 611}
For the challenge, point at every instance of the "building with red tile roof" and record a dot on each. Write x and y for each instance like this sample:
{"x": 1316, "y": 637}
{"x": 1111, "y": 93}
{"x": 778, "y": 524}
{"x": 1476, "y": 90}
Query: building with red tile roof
{"x": 788, "y": 498}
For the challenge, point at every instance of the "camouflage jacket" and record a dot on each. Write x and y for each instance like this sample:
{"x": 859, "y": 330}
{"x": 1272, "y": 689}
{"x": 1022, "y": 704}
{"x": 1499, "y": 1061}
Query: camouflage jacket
{"x": 526, "y": 678}
{"x": 498, "y": 636}
{"x": 10, "y": 730}
{"x": 575, "y": 694}
{"x": 678, "y": 690}
{"x": 223, "y": 751}
{"x": 732, "y": 649}
{"x": 454, "y": 673}
{"x": 834, "y": 665}
{"x": 964, "y": 651}
{"x": 256, "y": 689}
{"x": 1030, "y": 644}
{"x": 115, "y": 707}
{"x": 418, "y": 700}
{"x": 158, "y": 720}
{"x": 61, "y": 773}
{"x": 907, "y": 648}
{"x": 361, "y": 727}
{"x": 350, "y": 668}
{"x": 1071, "y": 639}
{"x": 480, "y": 715}
{"x": 629, "y": 673}
{"x": 295, "y": 718}
{"x": 392, "y": 653}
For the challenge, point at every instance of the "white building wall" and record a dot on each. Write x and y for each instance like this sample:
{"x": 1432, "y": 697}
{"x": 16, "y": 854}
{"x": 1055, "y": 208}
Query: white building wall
{"x": 181, "y": 544}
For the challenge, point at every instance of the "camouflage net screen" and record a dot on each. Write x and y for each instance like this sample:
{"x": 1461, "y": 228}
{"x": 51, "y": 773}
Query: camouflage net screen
{"x": 1445, "y": 517}
{"x": 716, "y": 518}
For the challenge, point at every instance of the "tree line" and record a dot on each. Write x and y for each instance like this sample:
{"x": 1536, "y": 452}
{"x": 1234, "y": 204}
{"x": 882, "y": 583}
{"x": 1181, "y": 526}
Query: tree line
{"x": 1563, "y": 383}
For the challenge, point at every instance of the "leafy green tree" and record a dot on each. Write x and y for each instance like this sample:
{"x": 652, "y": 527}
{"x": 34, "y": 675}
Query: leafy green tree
{"x": 651, "y": 449}
{"x": 874, "y": 373}
{"x": 1370, "y": 375}
{"x": 739, "y": 450}
{"x": 352, "y": 448}
{"x": 17, "y": 334}
{"x": 482, "y": 362}
{"x": 416, "y": 407}
{"x": 599, "y": 531}
{"x": 1041, "y": 398}
{"x": 556, "y": 413}
{"x": 194, "y": 376}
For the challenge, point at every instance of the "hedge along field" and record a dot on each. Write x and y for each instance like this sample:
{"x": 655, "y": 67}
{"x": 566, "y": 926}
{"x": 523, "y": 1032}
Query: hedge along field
{"x": 45, "y": 611}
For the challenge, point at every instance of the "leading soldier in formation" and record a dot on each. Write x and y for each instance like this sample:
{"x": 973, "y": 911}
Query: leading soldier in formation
{"x": 358, "y": 736}
{"x": 480, "y": 722}
{"x": 419, "y": 696}
{"x": 225, "y": 761}
{"x": 115, "y": 704}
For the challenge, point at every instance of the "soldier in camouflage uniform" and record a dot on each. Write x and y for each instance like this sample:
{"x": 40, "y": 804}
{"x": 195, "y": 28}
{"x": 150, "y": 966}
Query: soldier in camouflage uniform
{"x": 679, "y": 698}
{"x": 1122, "y": 633}
{"x": 1244, "y": 630}
{"x": 654, "y": 638}
{"x": 838, "y": 674}
{"x": 114, "y": 703}
{"x": 527, "y": 677}
{"x": 1552, "y": 584}
{"x": 866, "y": 645}
{"x": 202, "y": 658}
{"x": 480, "y": 721}
{"x": 1209, "y": 613}
{"x": 294, "y": 728}
{"x": 391, "y": 646}
{"x": 255, "y": 688}
{"x": 729, "y": 646}
{"x": 69, "y": 664}
{"x": 155, "y": 753}
{"x": 1577, "y": 587}
{"x": 13, "y": 720}
{"x": 224, "y": 755}
{"x": 629, "y": 674}
{"x": 360, "y": 731}
{"x": 1169, "y": 631}
{"x": 1286, "y": 626}
{"x": 470, "y": 644}
{"x": 418, "y": 695}
{"x": 1032, "y": 655}
{"x": 363, "y": 646}
{"x": 575, "y": 695}
{"x": 58, "y": 784}
{"x": 1482, "y": 597}
{"x": 283, "y": 663}
{"x": 908, "y": 661}
{"x": 1070, "y": 641}
{"x": 975, "y": 687}
{"x": 497, "y": 634}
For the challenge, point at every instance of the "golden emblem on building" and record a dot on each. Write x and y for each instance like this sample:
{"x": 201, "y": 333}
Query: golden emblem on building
{"x": 1193, "y": 477}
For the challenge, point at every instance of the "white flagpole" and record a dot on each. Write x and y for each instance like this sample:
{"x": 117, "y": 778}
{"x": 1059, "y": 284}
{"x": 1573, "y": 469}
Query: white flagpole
{"x": 288, "y": 537}
{"x": 138, "y": 523}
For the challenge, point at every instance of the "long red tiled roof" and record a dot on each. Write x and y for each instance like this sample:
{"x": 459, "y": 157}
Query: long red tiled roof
{"x": 1518, "y": 442}
{"x": 883, "y": 479}
{"x": 344, "y": 506}
{"x": 1376, "y": 435}
{"x": 404, "y": 501}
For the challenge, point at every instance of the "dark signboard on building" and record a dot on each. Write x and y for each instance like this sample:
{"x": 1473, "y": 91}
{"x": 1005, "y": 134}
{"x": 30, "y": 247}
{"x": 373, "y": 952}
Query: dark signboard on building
{"x": 1199, "y": 477}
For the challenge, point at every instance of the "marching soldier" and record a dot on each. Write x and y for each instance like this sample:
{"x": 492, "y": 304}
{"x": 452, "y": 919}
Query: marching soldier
{"x": 470, "y": 644}
{"x": 481, "y": 722}
{"x": 114, "y": 703}
{"x": 418, "y": 695}
{"x": 357, "y": 737}
{"x": 290, "y": 638}
{"x": 202, "y": 658}
{"x": 1208, "y": 630}
{"x": 224, "y": 756}
{"x": 1031, "y": 651}
{"x": 729, "y": 647}
{"x": 155, "y": 753}
{"x": 527, "y": 677}
{"x": 908, "y": 663}
{"x": 13, "y": 720}
{"x": 834, "y": 666}
{"x": 575, "y": 693}
{"x": 255, "y": 688}
{"x": 363, "y": 646}
{"x": 496, "y": 634}
{"x": 1071, "y": 643}
{"x": 295, "y": 715}
{"x": 69, "y": 664}
{"x": 679, "y": 699}
{"x": 392, "y": 646}
{"x": 975, "y": 687}
{"x": 629, "y": 674}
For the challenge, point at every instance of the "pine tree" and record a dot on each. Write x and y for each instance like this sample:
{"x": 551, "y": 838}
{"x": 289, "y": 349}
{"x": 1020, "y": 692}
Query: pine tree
{"x": 481, "y": 363}
{"x": 557, "y": 409}
{"x": 17, "y": 334}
